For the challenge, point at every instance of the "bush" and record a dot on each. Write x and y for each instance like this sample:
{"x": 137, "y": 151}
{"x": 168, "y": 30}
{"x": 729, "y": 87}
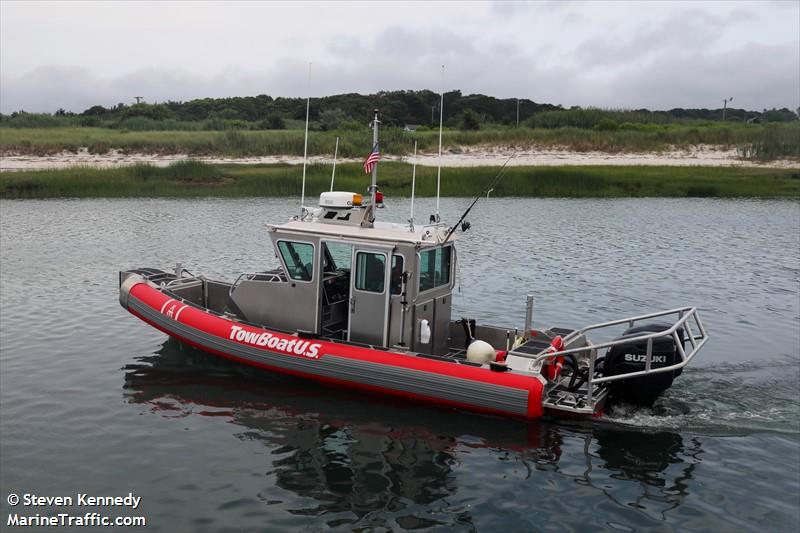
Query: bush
{"x": 95, "y": 110}
{"x": 330, "y": 119}
{"x": 89, "y": 121}
{"x": 606, "y": 124}
{"x": 226, "y": 114}
{"x": 220, "y": 124}
{"x": 351, "y": 125}
{"x": 37, "y": 120}
{"x": 154, "y": 112}
{"x": 470, "y": 122}
{"x": 273, "y": 122}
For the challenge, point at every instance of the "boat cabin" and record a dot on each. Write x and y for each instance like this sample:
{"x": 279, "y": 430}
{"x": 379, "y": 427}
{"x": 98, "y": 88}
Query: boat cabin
{"x": 345, "y": 276}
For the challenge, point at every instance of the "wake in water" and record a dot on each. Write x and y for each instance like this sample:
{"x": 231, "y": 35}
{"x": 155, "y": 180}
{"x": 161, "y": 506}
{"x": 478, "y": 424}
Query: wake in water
{"x": 725, "y": 399}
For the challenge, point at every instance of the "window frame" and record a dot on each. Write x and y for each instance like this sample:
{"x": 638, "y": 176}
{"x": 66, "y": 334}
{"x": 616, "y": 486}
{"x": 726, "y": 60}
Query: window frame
{"x": 354, "y": 270}
{"x": 450, "y": 279}
{"x": 314, "y": 259}
{"x": 402, "y": 270}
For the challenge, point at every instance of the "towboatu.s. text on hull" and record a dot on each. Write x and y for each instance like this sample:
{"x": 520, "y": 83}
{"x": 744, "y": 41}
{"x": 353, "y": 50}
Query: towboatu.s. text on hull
{"x": 367, "y": 305}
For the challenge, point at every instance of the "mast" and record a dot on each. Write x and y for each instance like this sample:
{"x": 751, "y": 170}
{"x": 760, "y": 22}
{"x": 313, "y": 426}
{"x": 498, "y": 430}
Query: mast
{"x": 374, "y": 186}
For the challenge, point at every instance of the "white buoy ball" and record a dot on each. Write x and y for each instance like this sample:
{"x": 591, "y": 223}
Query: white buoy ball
{"x": 480, "y": 352}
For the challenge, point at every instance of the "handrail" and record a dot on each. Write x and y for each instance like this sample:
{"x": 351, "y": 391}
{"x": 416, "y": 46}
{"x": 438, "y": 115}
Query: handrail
{"x": 250, "y": 276}
{"x": 184, "y": 281}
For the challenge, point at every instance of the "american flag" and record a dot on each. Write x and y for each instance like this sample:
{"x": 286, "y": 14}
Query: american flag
{"x": 372, "y": 159}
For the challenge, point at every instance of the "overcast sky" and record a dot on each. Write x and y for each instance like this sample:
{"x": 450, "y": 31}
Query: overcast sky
{"x": 608, "y": 54}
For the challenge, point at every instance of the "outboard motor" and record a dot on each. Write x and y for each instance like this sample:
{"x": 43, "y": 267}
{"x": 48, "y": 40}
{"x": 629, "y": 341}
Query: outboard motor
{"x": 632, "y": 357}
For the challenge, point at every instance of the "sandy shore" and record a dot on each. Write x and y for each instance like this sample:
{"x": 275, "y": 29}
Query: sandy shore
{"x": 466, "y": 157}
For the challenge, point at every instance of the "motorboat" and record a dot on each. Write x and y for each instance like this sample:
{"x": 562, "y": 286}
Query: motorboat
{"x": 366, "y": 304}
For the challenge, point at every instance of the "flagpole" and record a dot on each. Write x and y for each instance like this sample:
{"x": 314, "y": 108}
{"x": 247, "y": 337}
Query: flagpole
{"x": 335, "y": 151}
{"x": 439, "y": 169}
{"x": 374, "y": 187}
{"x": 305, "y": 146}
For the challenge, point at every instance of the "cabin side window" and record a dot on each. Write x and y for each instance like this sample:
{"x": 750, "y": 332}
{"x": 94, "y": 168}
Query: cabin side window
{"x": 434, "y": 268}
{"x": 370, "y": 271}
{"x": 338, "y": 256}
{"x": 298, "y": 258}
{"x": 397, "y": 274}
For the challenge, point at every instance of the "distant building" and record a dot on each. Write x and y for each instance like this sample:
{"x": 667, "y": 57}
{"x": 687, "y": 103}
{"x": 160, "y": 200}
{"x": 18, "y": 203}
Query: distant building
{"x": 411, "y": 127}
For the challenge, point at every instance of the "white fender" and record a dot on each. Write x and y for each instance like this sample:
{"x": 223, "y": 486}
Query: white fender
{"x": 480, "y": 352}
{"x": 424, "y": 332}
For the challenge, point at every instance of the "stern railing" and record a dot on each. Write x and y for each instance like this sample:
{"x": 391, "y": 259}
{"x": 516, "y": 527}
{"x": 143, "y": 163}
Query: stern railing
{"x": 686, "y": 319}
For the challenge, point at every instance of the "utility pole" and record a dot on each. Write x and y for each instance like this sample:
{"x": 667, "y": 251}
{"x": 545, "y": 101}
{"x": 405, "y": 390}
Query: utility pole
{"x": 518, "y": 112}
{"x": 432, "y": 108}
{"x": 725, "y": 106}
{"x": 139, "y": 99}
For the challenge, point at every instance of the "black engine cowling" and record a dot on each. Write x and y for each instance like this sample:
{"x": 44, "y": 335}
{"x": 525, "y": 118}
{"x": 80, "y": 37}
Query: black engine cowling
{"x": 631, "y": 357}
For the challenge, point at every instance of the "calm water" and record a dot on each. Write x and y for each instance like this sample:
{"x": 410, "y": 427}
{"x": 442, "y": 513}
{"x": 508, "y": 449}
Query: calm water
{"x": 95, "y": 401}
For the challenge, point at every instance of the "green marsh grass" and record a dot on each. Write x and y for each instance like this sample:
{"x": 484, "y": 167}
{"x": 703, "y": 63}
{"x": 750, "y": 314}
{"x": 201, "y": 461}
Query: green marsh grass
{"x": 196, "y": 179}
{"x": 754, "y": 141}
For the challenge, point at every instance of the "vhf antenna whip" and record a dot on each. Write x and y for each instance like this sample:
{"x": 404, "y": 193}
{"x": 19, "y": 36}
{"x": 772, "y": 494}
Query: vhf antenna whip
{"x": 491, "y": 185}
{"x": 305, "y": 148}
{"x": 439, "y": 159}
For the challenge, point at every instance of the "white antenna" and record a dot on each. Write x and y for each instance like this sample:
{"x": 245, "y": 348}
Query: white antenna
{"x": 439, "y": 169}
{"x": 305, "y": 148}
{"x": 335, "y": 151}
{"x": 413, "y": 185}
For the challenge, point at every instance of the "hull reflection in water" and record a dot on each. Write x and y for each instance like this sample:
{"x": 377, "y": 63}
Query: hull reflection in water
{"x": 339, "y": 450}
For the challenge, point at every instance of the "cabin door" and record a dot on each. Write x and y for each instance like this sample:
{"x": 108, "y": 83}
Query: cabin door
{"x": 369, "y": 295}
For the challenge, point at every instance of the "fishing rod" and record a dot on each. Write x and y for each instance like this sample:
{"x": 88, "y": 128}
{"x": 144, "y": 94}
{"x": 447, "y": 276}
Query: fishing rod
{"x": 491, "y": 185}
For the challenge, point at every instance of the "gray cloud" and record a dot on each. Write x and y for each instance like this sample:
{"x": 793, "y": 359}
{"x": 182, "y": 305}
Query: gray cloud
{"x": 515, "y": 7}
{"x": 756, "y": 75}
{"x": 686, "y": 30}
{"x": 605, "y": 55}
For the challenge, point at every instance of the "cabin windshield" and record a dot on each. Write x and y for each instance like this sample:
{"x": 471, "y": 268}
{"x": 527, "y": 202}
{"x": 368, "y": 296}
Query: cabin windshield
{"x": 434, "y": 268}
{"x": 298, "y": 258}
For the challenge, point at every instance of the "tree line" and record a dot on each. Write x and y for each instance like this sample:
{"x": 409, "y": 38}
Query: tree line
{"x": 352, "y": 111}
